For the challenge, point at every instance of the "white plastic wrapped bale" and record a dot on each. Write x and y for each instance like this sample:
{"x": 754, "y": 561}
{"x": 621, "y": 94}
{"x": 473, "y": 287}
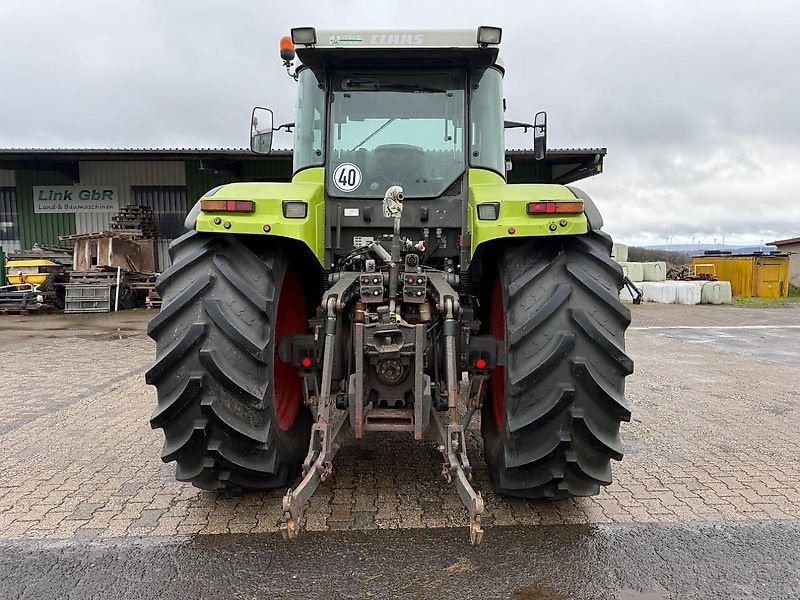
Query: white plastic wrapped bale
{"x": 633, "y": 270}
{"x": 619, "y": 252}
{"x": 654, "y": 271}
{"x": 659, "y": 292}
{"x": 716, "y": 292}
{"x": 687, "y": 292}
{"x": 625, "y": 295}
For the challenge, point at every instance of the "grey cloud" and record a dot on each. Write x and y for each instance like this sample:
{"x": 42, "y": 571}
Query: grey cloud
{"x": 696, "y": 101}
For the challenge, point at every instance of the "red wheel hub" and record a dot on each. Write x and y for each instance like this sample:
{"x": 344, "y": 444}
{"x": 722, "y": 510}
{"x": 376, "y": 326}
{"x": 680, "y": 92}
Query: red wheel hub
{"x": 290, "y": 320}
{"x": 497, "y": 380}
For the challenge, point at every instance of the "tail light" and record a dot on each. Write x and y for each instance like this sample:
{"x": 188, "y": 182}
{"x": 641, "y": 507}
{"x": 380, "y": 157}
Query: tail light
{"x": 242, "y": 206}
{"x": 549, "y": 208}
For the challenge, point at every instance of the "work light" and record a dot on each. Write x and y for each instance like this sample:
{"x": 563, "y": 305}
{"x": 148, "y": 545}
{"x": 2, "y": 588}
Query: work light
{"x": 304, "y": 35}
{"x": 488, "y": 35}
{"x": 489, "y": 211}
{"x": 294, "y": 210}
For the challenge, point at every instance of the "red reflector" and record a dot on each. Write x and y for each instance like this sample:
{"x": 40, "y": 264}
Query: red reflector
{"x": 546, "y": 208}
{"x": 306, "y": 362}
{"x": 480, "y": 364}
{"x": 246, "y": 206}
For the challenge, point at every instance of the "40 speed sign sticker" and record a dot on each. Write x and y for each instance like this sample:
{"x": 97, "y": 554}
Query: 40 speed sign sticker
{"x": 347, "y": 177}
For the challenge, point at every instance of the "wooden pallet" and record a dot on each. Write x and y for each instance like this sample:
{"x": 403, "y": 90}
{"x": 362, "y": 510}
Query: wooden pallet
{"x": 133, "y": 218}
{"x": 118, "y": 234}
{"x": 135, "y": 209}
{"x": 107, "y": 277}
{"x": 133, "y": 233}
{"x": 153, "y": 299}
{"x": 141, "y": 281}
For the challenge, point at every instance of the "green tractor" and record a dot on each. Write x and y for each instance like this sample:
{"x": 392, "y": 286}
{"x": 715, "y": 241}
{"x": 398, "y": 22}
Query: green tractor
{"x": 397, "y": 284}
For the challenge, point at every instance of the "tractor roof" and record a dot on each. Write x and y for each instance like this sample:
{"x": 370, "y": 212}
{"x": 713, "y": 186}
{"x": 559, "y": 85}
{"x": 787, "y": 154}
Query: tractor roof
{"x": 320, "y": 48}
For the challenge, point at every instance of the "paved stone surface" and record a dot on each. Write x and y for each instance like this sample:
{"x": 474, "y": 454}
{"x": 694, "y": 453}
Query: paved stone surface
{"x": 714, "y": 438}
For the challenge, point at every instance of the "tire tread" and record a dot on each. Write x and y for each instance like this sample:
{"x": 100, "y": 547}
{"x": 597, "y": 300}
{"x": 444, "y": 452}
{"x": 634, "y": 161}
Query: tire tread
{"x": 213, "y": 349}
{"x": 565, "y": 369}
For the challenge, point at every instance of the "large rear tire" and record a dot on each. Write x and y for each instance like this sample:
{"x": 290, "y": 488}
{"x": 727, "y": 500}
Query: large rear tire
{"x": 231, "y": 412}
{"x": 551, "y": 420}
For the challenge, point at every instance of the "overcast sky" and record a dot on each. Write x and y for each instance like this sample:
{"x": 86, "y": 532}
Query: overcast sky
{"x": 698, "y": 102}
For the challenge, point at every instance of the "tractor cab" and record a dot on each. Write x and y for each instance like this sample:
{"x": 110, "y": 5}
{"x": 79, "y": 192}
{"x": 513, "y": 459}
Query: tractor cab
{"x": 402, "y": 109}
{"x": 414, "y": 109}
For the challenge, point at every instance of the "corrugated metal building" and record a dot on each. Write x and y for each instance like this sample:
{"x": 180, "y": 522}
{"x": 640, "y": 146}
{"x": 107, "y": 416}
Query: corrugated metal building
{"x": 792, "y": 248}
{"x": 171, "y": 180}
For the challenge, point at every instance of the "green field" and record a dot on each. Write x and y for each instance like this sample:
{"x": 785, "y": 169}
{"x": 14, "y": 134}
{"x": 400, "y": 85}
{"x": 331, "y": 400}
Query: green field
{"x": 792, "y": 299}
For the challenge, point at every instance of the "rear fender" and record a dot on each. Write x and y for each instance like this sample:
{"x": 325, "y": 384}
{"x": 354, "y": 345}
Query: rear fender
{"x": 268, "y": 218}
{"x": 513, "y": 220}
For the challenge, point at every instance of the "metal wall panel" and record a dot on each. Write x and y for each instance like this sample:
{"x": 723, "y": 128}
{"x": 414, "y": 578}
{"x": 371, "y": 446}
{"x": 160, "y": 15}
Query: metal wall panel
{"x": 9, "y": 228}
{"x": 35, "y": 227}
{"x": 738, "y": 269}
{"x": 526, "y": 170}
{"x": 124, "y": 175}
{"x": 10, "y": 246}
{"x": 169, "y": 207}
{"x": 7, "y": 178}
{"x": 272, "y": 169}
{"x": 163, "y": 254}
{"x": 772, "y": 276}
{"x": 9, "y": 219}
{"x": 200, "y": 180}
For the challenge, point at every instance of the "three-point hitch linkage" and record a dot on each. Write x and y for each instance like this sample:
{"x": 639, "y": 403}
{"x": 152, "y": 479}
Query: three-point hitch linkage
{"x": 390, "y": 350}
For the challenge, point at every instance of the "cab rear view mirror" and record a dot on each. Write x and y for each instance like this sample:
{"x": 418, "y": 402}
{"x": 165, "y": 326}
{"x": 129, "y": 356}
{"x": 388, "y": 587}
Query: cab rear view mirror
{"x": 261, "y": 129}
{"x": 540, "y": 135}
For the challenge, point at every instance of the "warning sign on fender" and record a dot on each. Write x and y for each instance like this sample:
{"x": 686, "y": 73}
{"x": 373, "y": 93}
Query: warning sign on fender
{"x": 347, "y": 177}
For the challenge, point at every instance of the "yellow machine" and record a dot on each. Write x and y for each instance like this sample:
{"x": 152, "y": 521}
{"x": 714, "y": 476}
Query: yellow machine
{"x": 33, "y": 271}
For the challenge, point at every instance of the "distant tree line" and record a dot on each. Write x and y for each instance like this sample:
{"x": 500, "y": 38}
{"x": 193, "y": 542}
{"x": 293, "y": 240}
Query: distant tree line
{"x": 636, "y": 254}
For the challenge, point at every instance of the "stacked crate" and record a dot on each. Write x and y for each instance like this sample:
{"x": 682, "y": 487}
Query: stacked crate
{"x": 135, "y": 221}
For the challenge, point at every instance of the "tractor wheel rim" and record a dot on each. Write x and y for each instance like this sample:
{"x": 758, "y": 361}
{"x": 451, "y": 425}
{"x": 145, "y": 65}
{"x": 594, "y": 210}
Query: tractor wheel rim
{"x": 497, "y": 380}
{"x": 290, "y": 320}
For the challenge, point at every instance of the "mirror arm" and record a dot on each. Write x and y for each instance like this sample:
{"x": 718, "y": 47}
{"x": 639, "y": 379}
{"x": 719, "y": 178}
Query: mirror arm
{"x": 517, "y": 125}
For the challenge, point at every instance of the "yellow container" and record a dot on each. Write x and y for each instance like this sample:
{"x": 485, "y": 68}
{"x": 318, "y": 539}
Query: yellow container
{"x": 760, "y": 275}
{"x": 31, "y": 271}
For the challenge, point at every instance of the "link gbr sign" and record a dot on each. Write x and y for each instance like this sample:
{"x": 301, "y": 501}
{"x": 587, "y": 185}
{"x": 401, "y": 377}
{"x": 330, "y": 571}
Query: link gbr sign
{"x": 75, "y": 199}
